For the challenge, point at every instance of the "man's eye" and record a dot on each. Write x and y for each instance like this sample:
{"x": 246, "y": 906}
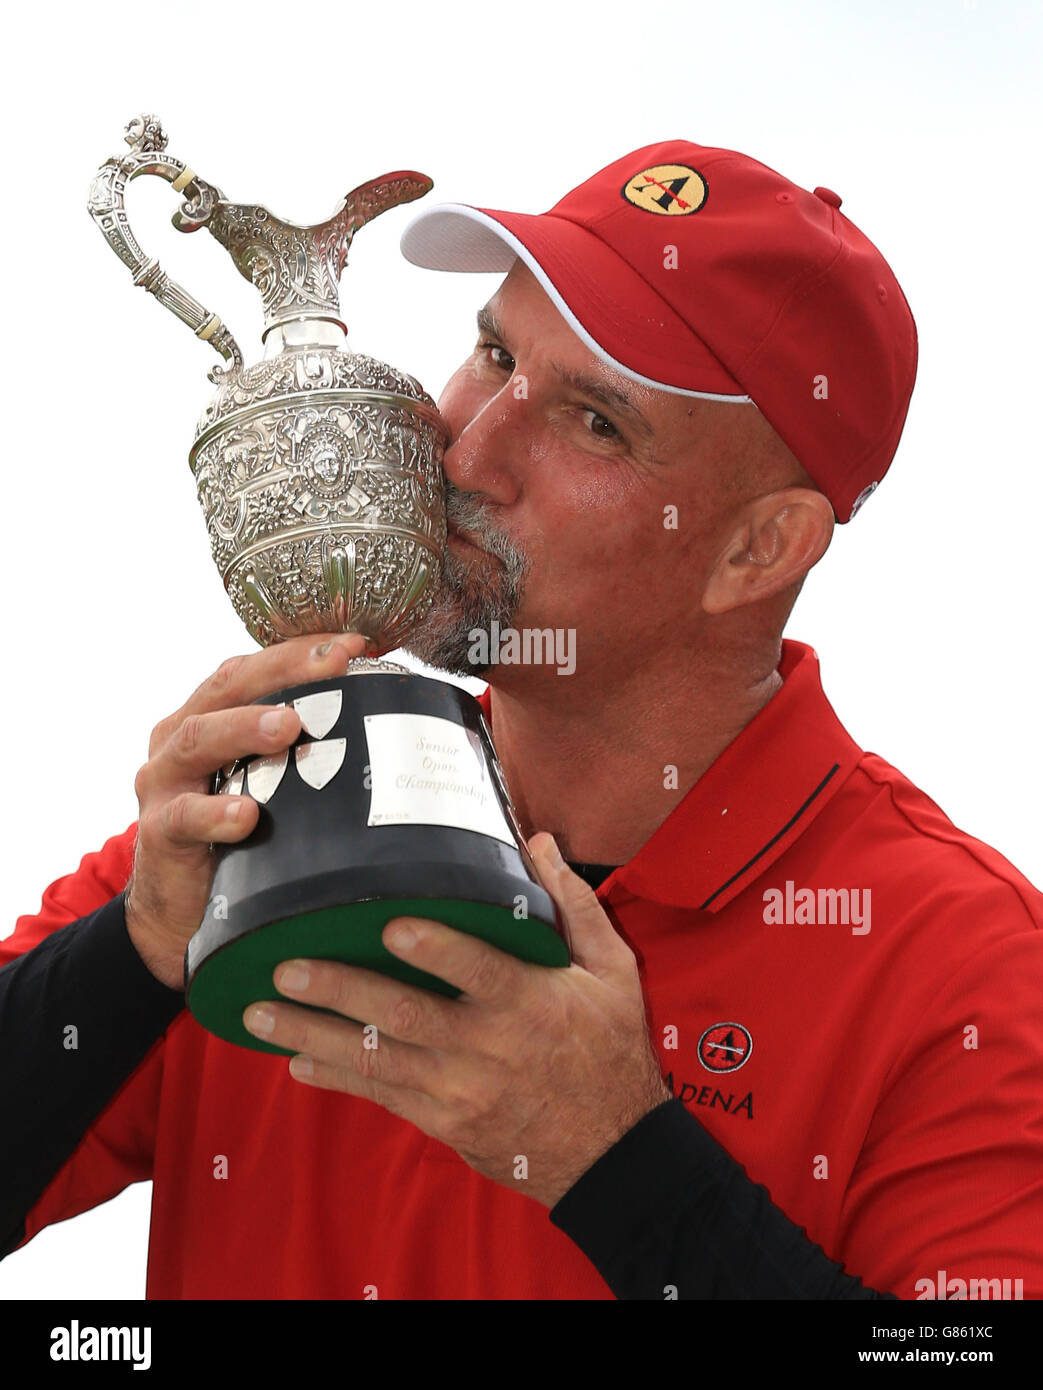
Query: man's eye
{"x": 610, "y": 432}
{"x": 494, "y": 348}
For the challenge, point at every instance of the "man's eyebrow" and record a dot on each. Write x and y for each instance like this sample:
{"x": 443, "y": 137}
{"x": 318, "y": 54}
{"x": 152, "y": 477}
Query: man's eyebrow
{"x": 603, "y": 391}
{"x": 489, "y": 323}
{"x": 583, "y": 382}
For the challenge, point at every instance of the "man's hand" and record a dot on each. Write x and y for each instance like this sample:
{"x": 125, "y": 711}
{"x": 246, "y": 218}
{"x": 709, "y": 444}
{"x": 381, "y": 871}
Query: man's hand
{"x": 530, "y": 1075}
{"x": 173, "y": 867}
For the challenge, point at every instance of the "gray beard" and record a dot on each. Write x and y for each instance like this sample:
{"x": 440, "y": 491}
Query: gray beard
{"x": 471, "y": 595}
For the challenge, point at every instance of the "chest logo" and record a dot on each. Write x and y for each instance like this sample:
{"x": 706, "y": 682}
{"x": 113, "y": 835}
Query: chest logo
{"x": 725, "y": 1047}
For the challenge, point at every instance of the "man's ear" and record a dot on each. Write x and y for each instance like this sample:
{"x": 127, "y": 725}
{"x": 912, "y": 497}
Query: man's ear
{"x": 772, "y": 544}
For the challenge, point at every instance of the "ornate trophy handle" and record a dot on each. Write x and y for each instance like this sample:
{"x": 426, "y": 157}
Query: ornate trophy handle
{"x": 147, "y": 142}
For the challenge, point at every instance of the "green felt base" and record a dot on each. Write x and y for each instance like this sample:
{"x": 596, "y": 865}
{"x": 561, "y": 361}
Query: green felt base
{"x": 240, "y": 973}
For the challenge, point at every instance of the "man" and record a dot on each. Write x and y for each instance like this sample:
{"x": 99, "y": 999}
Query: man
{"x": 800, "y": 1031}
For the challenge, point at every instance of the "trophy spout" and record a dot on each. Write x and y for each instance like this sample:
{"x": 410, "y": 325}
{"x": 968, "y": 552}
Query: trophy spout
{"x": 297, "y": 269}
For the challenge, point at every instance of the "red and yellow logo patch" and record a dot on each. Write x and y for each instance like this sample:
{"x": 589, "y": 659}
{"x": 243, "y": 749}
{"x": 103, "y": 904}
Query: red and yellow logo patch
{"x": 675, "y": 190}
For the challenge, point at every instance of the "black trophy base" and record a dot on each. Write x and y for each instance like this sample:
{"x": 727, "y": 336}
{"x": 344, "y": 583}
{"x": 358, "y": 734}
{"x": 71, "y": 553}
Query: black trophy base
{"x": 342, "y": 846}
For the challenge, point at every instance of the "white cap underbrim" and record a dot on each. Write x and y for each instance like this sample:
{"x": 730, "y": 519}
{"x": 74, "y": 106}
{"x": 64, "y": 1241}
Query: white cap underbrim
{"x": 454, "y": 236}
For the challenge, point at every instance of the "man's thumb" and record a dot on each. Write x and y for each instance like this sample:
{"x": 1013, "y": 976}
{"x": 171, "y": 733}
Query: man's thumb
{"x": 593, "y": 941}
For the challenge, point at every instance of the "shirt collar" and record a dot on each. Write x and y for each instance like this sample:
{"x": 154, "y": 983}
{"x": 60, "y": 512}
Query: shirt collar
{"x": 750, "y": 805}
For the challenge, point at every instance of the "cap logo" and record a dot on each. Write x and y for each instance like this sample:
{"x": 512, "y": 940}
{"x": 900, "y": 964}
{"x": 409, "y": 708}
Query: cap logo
{"x": 672, "y": 189}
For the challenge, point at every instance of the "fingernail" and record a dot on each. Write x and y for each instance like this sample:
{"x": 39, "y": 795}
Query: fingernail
{"x": 403, "y": 936}
{"x": 259, "y": 1020}
{"x": 293, "y": 977}
{"x": 272, "y": 722}
{"x": 554, "y": 853}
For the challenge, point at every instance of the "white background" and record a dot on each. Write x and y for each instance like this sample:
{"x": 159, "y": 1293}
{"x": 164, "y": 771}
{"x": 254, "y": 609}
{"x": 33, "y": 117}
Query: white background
{"x": 924, "y": 117}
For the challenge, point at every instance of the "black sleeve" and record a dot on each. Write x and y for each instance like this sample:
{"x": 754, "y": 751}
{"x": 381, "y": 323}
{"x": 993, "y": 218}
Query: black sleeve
{"x": 86, "y": 976}
{"x": 667, "y": 1212}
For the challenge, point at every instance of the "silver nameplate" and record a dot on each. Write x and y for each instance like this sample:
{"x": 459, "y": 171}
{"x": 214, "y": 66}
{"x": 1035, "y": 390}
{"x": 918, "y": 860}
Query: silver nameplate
{"x": 263, "y": 775}
{"x": 430, "y": 771}
{"x": 319, "y": 763}
{"x": 319, "y": 713}
{"x": 234, "y": 785}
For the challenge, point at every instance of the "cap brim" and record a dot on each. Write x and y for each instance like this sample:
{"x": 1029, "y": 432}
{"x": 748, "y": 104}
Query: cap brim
{"x": 609, "y": 306}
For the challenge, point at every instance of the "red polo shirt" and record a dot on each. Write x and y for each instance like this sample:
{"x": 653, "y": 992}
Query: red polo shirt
{"x": 843, "y": 989}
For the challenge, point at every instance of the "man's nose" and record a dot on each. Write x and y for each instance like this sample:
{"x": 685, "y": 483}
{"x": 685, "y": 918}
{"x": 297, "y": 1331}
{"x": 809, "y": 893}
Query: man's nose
{"x": 487, "y": 444}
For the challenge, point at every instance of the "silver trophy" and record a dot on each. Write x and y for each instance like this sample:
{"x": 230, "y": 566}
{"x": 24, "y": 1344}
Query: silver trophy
{"x": 320, "y": 476}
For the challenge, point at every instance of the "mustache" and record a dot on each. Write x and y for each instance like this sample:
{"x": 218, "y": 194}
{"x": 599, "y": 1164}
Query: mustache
{"x": 468, "y": 512}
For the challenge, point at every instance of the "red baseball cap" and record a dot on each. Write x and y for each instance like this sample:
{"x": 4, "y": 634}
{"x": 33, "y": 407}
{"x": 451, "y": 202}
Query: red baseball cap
{"x": 703, "y": 272}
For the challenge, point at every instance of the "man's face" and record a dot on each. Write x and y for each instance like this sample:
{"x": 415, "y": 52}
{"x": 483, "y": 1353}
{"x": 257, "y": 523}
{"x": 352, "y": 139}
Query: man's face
{"x": 565, "y": 474}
